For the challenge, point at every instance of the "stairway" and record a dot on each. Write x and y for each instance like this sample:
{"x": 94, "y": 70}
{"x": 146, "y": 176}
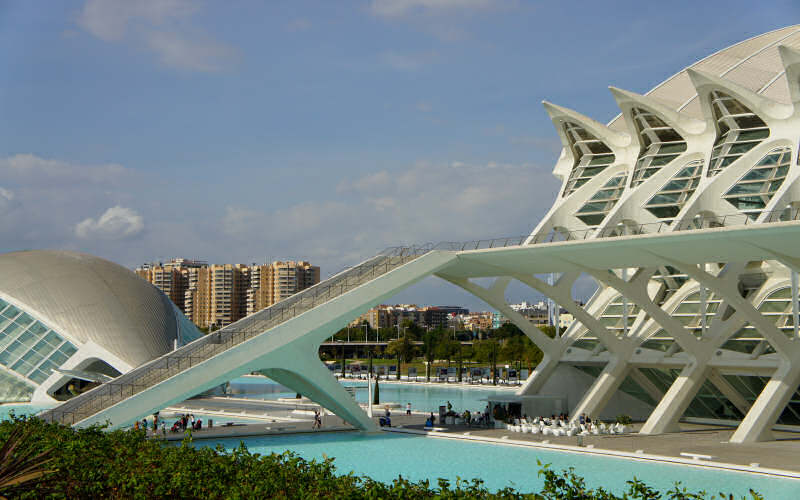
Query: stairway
{"x": 144, "y": 377}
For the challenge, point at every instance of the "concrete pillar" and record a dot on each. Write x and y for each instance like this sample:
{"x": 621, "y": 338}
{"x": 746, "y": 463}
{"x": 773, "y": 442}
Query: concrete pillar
{"x": 727, "y": 390}
{"x": 672, "y": 406}
{"x": 540, "y": 375}
{"x": 316, "y": 383}
{"x": 757, "y": 424}
{"x": 604, "y": 386}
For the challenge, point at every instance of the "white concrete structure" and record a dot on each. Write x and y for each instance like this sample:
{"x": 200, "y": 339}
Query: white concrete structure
{"x": 683, "y": 208}
{"x": 68, "y": 318}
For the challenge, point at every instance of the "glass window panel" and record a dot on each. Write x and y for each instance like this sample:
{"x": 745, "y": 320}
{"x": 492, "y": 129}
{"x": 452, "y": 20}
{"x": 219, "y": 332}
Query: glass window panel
{"x": 662, "y": 160}
{"x": 12, "y": 329}
{"x": 24, "y": 319}
{"x": 58, "y": 358}
{"x": 676, "y": 185}
{"x": 16, "y": 349}
{"x": 687, "y": 308}
{"x": 68, "y": 349}
{"x": 38, "y": 376}
{"x": 22, "y": 367}
{"x": 782, "y": 293}
{"x": 757, "y": 174}
{"x": 32, "y": 357}
{"x": 43, "y": 347}
{"x": 47, "y": 366}
{"x": 11, "y": 312}
{"x": 776, "y": 306}
{"x": 5, "y": 357}
{"x": 749, "y": 188}
{"x": 742, "y": 148}
{"x": 37, "y": 329}
{"x": 53, "y": 338}
{"x": 27, "y": 339}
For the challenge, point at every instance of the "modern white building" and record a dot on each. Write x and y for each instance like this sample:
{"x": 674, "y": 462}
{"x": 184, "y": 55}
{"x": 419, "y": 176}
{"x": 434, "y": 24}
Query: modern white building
{"x": 69, "y": 319}
{"x": 684, "y": 208}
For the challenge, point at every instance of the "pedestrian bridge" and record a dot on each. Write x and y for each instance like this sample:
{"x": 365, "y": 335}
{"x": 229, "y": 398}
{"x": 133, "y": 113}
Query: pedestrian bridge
{"x": 283, "y": 340}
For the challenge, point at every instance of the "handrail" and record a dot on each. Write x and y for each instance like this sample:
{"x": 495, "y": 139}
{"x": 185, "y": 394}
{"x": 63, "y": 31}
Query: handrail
{"x": 208, "y": 346}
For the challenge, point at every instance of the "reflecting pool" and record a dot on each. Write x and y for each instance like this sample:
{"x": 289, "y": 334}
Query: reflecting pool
{"x": 383, "y": 456}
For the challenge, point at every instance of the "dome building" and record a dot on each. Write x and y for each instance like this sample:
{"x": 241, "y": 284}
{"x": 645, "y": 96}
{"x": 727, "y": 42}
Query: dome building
{"x": 69, "y": 320}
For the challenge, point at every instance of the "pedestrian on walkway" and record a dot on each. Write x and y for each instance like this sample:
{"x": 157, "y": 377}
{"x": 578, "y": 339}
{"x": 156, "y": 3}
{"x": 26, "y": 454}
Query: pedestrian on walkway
{"x": 408, "y": 408}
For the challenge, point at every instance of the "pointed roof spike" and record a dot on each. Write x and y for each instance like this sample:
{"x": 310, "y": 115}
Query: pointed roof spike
{"x": 791, "y": 64}
{"x": 758, "y": 104}
{"x": 685, "y": 125}
{"x": 610, "y": 137}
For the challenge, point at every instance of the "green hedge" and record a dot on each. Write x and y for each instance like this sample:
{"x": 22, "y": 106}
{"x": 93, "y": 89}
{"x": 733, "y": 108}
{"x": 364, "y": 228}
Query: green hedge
{"x": 93, "y": 463}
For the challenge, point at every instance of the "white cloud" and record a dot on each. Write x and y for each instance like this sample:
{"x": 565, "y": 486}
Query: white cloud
{"x": 109, "y": 19}
{"x": 161, "y": 26}
{"x": 6, "y": 200}
{"x": 195, "y": 54}
{"x": 401, "y": 8}
{"x": 30, "y": 170}
{"x": 423, "y": 202}
{"x": 115, "y": 223}
{"x": 407, "y": 61}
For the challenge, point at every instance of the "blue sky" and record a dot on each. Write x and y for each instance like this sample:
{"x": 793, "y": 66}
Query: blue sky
{"x": 245, "y": 131}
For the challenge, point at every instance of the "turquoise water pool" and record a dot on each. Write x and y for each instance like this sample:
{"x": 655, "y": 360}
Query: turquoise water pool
{"x": 383, "y": 456}
{"x": 422, "y": 397}
{"x": 20, "y": 409}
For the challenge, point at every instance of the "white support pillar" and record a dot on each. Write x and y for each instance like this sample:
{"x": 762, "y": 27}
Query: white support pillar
{"x": 604, "y": 386}
{"x": 757, "y": 424}
{"x": 703, "y": 309}
{"x": 645, "y": 383}
{"x": 727, "y": 390}
{"x": 672, "y": 406}
{"x": 625, "y": 305}
{"x": 795, "y": 309}
{"x": 541, "y": 374}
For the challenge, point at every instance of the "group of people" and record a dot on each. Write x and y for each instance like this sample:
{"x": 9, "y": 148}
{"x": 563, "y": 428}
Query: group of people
{"x": 187, "y": 421}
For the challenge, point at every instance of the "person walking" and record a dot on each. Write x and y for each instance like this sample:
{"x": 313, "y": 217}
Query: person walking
{"x": 408, "y": 408}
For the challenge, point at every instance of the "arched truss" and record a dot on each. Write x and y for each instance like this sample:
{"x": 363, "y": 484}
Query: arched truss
{"x": 701, "y": 323}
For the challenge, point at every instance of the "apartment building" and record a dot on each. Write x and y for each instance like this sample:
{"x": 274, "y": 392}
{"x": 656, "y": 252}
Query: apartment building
{"x": 219, "y": 294}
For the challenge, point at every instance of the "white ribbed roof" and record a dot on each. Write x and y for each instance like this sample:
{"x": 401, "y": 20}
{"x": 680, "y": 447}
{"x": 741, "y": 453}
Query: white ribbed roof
{"x": 87, "y": 298}
{"x": 753, "y": 63}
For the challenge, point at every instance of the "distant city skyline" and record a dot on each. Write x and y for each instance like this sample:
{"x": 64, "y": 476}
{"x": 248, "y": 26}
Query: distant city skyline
{"x": 326, "y": 131}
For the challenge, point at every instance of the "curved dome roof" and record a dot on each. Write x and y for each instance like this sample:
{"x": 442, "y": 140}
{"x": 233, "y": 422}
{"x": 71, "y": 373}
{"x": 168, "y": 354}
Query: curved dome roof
{"x": 753, "y": 63}
{"x": 91, "y": 299}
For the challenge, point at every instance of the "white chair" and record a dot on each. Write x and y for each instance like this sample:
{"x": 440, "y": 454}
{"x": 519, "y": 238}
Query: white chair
{"x": 595, "y": 431}
{"x": 533, "y": 429}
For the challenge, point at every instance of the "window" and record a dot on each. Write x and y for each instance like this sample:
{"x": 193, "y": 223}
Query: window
{"x": 591, "y": 155}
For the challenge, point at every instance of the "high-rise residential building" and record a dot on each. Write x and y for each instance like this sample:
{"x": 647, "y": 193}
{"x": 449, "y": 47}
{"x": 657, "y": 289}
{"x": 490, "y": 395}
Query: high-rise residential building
{"x": 219, "y": 294}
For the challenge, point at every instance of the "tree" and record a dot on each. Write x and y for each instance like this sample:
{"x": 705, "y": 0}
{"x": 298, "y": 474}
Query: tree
{"x": 488, "y": 351}
{"x": 447, "y": 349}
{"x": 403, "y": 349}
{"x": 429, "y": 342}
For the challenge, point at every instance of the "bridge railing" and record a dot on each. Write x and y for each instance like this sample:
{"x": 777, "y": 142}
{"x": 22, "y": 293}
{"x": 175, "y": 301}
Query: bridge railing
{"x": 208, "y": 346}
{"x": 160, "y": 369}
{"x": 702, "y": 221}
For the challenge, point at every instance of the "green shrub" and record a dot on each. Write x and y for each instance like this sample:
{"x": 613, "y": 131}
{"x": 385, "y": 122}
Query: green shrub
{"x": 93, "y": 463}
{"x": 624, "y": 419}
